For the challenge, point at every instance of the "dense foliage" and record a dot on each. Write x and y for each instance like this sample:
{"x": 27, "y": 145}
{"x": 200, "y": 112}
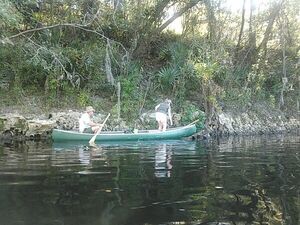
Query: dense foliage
{"x": 73, "y": 51}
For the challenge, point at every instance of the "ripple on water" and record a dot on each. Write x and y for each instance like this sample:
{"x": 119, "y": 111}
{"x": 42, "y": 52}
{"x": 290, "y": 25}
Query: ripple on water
{"x": 173, "y": 182}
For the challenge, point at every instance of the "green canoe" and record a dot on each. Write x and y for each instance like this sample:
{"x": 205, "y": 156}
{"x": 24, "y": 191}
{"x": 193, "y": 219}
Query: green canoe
{"x": 172, "y": 133}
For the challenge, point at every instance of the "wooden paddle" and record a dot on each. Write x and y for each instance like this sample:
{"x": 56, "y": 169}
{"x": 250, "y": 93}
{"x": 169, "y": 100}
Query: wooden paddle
{"x": 92, "y": 141}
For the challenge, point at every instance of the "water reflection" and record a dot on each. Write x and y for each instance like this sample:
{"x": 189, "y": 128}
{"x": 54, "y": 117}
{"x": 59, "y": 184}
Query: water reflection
{"x": 163, "y": 163}
{"x": 73, "y": 153}
{"x": 234, "y": 181}
{"x": 136, "y": 169}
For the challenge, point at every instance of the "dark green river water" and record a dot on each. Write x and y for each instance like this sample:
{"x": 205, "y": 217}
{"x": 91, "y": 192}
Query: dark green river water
{"x": 232, "y": 181}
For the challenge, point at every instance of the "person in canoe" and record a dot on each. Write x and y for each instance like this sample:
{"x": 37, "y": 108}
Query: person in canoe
{"x": 86, "y": 124}
{"x": 163, "y": 112}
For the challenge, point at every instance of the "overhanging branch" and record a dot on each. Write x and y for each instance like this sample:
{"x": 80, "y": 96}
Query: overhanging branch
{"x": 177, "y": 14}
{"x": 78, "y": 26}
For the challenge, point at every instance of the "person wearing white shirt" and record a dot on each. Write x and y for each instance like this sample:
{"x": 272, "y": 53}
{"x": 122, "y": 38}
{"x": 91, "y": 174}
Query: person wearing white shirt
{"x": 86, "y": 125}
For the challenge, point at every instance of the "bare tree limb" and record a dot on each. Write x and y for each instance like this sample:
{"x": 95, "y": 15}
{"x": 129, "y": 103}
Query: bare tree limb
{"x": 108, "y": 71}
{"x": 160, "y": 8}
{"x": 274, "y": 14}
{"x": 78, "y": 26}
{"x": 242, "y": 28}
{"x": 177, "y": 14}
{"x": 54, "y": 55}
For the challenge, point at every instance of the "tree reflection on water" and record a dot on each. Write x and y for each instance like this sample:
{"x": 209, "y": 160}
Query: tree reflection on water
{"x": 164, "y": 182}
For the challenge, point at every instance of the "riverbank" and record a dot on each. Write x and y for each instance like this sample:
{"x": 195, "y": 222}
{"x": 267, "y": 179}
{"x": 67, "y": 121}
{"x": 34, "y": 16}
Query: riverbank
{"x": 257, "y": 119}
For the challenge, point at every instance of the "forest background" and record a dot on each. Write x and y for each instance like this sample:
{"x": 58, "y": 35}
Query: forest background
{"x": 125, "y": 56}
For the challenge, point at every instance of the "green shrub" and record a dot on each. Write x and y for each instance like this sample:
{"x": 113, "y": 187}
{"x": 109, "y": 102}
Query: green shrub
{"x": 192, "y": 113}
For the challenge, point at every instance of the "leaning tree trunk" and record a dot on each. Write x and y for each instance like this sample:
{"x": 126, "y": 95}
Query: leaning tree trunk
{"x": 274, "y": 14}
{"x": 238, "y": 46}
{"x": 252, "y": 36}
{"x": 157, "y": 17}
{"x": 284, "y": 73}
{"x": 212, "y": 22}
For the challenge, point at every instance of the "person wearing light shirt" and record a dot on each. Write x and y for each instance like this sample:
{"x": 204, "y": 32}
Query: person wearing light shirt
{"x": 86, "y": 125}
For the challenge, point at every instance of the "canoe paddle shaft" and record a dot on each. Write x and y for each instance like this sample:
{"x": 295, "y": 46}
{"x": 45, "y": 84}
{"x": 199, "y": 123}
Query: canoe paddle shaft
{"x": 193, "y": 122}
{"x": 92, "y": 141}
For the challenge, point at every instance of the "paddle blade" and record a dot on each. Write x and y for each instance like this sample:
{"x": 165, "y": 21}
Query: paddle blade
{"x": 92, "y": 141}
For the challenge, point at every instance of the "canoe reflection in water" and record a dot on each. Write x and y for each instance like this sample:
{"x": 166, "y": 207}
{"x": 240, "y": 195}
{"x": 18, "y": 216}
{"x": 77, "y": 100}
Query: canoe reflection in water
{"x": 163, "y": 163}
{"x": 162, "y": 152}
{"x": 72, "y": 154}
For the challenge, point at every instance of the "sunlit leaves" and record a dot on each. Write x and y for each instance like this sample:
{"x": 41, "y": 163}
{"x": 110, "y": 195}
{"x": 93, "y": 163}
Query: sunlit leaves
{"x": 9, "y": 16}
{"x": 206, "y": 71}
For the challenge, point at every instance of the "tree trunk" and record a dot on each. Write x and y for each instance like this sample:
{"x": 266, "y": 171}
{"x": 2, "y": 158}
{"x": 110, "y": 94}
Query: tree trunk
{"x": 177, "y": 14}
{"x": 275, "y": 12}
{"x": 144, "y": 43}
{"x": 284, "y": 75}
{"x": 237, "y": 48}
{"x": 252, "y": 36}
{"x": 273, "y": 15}
{"x": 212, "y": 22}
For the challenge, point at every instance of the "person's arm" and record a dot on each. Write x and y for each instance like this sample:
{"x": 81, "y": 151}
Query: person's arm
{"x": 170, "y": 115}
{"x": 92, "y": 124}
{"x": 156, "y": 107}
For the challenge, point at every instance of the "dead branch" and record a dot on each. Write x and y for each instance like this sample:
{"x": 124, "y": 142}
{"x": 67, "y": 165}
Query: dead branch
{"x": 177, "y": 14}
{"x": 78, "y": 26}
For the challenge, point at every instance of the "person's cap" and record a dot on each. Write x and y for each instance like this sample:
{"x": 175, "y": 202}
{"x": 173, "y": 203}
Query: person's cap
{"x": 89, "y": 109}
